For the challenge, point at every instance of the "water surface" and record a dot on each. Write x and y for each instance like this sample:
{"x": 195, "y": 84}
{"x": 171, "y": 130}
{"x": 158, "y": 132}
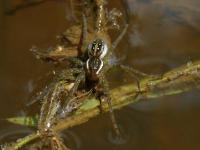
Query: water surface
{"x": 162, "y": 35}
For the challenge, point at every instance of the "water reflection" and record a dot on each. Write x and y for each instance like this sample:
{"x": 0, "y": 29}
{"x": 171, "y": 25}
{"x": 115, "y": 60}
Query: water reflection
{"x": 11, "y": 133}
{"x": 162, "y": 35}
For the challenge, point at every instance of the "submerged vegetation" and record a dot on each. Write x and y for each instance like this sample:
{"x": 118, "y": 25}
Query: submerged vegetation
{"x": 81, "y": 91}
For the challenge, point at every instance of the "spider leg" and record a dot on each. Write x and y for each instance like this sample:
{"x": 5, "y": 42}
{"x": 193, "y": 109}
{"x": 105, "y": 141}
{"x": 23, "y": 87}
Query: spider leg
{"x": 83, "y": 36}
{"x": 119, "y": 38}
{"x": 113, "y": 119}
{"x": 84, "y": 28}
{"x": 133, "y": 71}
{"x": 77, "y": 82}
{"x": 104, "y": 84}
{"x": 73, "y": 10}
{"x": 134, "y": 74}
{"x": 76, "y": 62}
{"x": 79, "y": 79}
{"x": 121, "y": 35}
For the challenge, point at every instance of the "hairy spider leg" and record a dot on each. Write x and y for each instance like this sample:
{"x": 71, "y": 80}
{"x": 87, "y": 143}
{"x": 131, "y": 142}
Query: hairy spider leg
{"x": 84, "y": 35}
{"x": 62, "y": 77}
{"x": 119, "y": 38}
{"x": 127, "y": 14}
{"x": 135, "y": 73}
{"x": 79, "y": 79}
{"x": 73, "y": 11}
{"x": 105, "y": 85}
{"x": 76, "y": 62}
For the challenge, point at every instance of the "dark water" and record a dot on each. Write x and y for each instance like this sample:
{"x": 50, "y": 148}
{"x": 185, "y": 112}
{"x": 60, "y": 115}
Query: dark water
{"x": 162, "y": 35}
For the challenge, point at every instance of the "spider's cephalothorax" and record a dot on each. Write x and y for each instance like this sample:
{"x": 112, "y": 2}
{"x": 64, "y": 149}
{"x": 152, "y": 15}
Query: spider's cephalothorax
{"x": 96, "y": 52}
{"x": 98, "y": 48}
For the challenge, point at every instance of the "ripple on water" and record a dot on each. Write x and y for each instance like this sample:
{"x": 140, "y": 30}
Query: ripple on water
{"x": 12, "y": 133}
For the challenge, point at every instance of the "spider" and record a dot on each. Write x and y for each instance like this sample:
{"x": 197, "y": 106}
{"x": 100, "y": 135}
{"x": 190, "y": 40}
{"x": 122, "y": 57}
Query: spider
{"x": 93, "y": 61}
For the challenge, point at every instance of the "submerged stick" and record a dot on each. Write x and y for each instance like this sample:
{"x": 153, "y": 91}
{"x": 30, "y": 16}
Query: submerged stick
{"x": 178, "y": 80}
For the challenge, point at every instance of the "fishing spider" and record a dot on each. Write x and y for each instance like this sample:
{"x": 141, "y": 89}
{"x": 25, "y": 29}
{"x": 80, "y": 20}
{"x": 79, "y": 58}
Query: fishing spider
{"x": 93, "y": 61}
